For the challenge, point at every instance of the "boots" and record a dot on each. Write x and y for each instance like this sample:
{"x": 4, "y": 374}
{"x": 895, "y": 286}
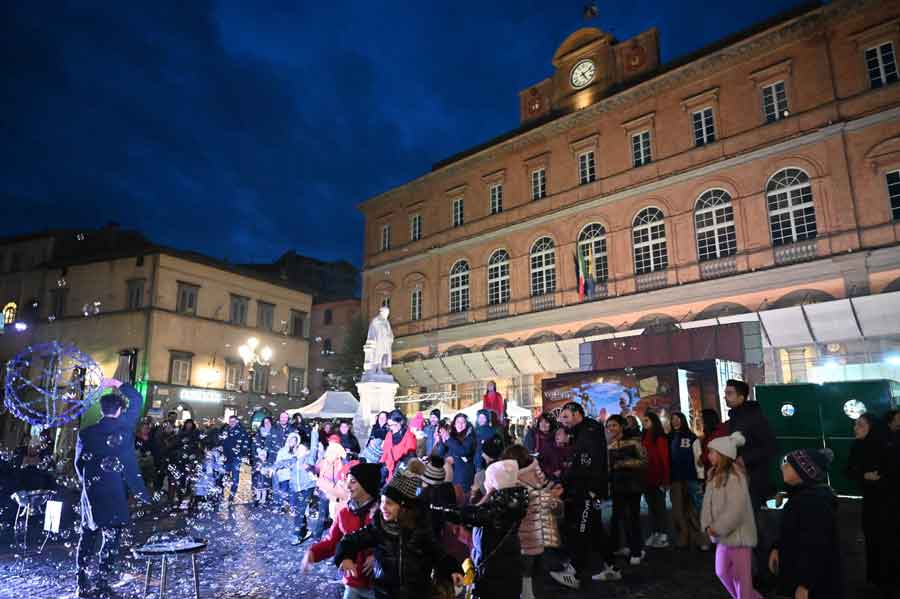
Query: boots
{"x": 527, "y": 590}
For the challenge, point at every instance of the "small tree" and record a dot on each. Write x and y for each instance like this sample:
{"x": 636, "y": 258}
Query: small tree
{"x": 350, "y": 358}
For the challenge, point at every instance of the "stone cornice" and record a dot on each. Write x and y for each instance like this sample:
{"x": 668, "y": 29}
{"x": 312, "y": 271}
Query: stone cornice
{"x": 796, "y": 29}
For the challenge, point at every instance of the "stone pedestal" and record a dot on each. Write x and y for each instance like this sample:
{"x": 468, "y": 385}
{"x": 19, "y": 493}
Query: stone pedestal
{"x": 376, "y": 394}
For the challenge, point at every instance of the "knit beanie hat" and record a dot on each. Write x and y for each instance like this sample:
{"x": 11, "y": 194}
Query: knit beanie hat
{"x": 493, "y": 447}
{"x": 728, "y": 446}
{"x": 368, "y": 476}
{"x": 501, "y": 475}
{"x": 434, "y": 471}
{"x": 406, "y": 485}
{"x": 811, "y": 464}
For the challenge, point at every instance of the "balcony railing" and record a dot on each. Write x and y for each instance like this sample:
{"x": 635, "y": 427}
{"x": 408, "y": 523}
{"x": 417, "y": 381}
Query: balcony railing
{"x": 796, "y": 252}
{"x": 713, "y": 269}
{"x": 498, "y": 311}
{"x": 458, "y": 318}
{"x": 543, "y": 302}
{"x": 651, "y": 280}
{"x": 600, "y": 291}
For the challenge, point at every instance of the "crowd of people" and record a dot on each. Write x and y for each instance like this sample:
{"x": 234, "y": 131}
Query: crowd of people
{"x": 446, "y": 503}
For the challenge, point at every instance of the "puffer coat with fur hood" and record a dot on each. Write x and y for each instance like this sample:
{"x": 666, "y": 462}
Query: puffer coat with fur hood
{"x": 539, "y": 528}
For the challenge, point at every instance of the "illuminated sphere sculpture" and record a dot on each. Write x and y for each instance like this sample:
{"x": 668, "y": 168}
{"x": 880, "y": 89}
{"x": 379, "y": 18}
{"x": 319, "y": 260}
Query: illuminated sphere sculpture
{"x": 51, "y": 384}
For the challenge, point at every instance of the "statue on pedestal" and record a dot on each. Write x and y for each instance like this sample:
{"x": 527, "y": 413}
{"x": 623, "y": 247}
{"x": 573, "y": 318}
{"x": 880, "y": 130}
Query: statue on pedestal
{"x": 378, "y": 345}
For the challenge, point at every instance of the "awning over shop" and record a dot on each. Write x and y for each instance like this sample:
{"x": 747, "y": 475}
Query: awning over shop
{"x": 824, "y": 322}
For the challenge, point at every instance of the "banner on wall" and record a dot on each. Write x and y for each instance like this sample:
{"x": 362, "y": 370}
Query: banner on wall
{"x": 624, "y": 392}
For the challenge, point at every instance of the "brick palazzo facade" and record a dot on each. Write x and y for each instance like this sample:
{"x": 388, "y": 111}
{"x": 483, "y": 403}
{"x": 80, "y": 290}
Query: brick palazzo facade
{"x": 756, "y": 181}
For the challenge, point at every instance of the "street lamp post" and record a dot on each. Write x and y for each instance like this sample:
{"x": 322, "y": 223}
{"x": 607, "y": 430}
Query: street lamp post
{"x": 253, "y": 355}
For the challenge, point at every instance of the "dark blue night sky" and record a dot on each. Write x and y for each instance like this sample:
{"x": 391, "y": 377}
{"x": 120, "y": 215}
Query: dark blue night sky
{"x": 244, "y": 129}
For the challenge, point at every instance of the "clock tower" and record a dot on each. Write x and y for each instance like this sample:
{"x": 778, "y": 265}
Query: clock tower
{"x": 586, "y": 66}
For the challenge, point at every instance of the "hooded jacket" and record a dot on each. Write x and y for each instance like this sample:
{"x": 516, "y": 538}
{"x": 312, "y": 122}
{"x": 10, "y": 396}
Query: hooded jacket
{"x": 729, "y": 512}
{"x": 404, "y": 558}
{"x": 496, "y": 551}
{"x": 539, "y": 528}
{"x": 395, "y": 447}
{"x": 759, "y": 450}
{"x": 587, "y": 472}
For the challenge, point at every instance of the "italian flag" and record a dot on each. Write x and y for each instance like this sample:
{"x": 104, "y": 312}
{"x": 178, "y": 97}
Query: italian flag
{"x": 581, "y": 273}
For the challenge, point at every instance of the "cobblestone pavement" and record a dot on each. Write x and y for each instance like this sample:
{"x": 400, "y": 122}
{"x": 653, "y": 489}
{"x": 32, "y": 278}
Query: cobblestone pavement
{"x": 249, "y": 557}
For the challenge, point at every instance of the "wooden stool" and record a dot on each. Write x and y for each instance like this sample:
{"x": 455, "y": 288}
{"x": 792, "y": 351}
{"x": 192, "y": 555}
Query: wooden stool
{"x": 166, "y": 550}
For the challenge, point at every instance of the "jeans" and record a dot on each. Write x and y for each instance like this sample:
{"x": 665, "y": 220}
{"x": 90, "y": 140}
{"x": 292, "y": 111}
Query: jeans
{"x": 234, "y": 469}
{"x": 685, "y": 521}
{"x": 656, "y": 505}
{"x": 627, "y": 513}
{"x": 351, "y": 593}
{"x": 111, "y": 539}
{"x": 282, "y": 489}
{"x": 323, "y": 516}
{"x": 299, "y": 503}
{"x": 733, "y": 569}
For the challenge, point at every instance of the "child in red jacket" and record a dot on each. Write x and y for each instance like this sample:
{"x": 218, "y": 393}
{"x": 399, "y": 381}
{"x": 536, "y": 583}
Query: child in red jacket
{"x": 657, "y": 479}
{"x": 364, "y": 484}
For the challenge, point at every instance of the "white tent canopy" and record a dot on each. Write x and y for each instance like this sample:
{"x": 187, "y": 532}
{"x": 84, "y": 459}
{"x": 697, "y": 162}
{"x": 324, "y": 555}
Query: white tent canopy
{"x": 331, "y": 404}
{"x": 513, "y": 411}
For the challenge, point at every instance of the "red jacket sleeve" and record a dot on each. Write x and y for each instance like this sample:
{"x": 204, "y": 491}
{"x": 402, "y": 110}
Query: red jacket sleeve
{"x": 662, "y": 445}
{"x": 326, "y": 547}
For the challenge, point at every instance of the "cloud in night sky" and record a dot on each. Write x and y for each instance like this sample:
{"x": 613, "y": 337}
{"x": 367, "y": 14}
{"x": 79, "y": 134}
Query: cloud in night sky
{"x": 244, "y": 129}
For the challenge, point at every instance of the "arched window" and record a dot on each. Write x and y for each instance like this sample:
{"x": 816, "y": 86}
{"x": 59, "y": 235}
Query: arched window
{"x": 543, "y": 267}
{"x": 792, "y": 214}
{"x": 9, "y": 313}
{"x": 459, "y": 287}
{"x": 649, "y": 235}
{"x": 714, "y": 221}
{"x": 498, "y": 278}
{"x": 592, "y": 245}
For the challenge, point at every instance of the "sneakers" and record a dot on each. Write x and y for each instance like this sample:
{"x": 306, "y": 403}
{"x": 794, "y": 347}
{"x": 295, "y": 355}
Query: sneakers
{"x": 301, "y": 538}
{"x": 609, "y": 574}
{"x": 658, "y": 540}
{"x": 637, "y": 559}
{"x": 566, "y": 579}
{"x": 623, "y": 552}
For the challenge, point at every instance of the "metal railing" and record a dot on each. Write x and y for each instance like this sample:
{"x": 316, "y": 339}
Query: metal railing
{"x": 796, "y": 252}
{"x": 651, "y": 280}
{"x": 543, "y": 302}
{"x": 498, "y": 311}
{"x": 713, "y": 269}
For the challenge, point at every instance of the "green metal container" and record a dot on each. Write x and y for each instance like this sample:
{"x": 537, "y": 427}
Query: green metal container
{"x": 814, "y": 416}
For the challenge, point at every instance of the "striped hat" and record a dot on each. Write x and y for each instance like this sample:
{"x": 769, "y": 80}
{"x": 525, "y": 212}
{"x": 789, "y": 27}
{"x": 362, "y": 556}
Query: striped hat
{"x": 434, "y": 471}
{"x": 406, "y": 485}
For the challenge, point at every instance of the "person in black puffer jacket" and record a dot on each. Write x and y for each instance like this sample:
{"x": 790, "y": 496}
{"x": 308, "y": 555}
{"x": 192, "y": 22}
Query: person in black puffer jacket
{"x": 496, "y": 552}
{"x": 807, "y": 553}
{"x": 405, "y": 550}
{"x": 484, "y": 430}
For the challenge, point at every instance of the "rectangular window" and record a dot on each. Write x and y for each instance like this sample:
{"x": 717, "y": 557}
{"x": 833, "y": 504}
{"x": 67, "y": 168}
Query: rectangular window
{"x": 187, "y": 298}
{"x": 58, "y": 302}
{"x": 135, "y": 294}
{"x": 234, "y": 370}
{"x": 893, "y": 183}
{"x": 587, "y": 169}
{"x": 180, "y": 368}
{"x": 298, "y": 324}
{"x": 265, "y": 316}
{"x": 775, "y": 104}
{"x": 640, "y": 148}
{"x": 881, "y": 65}
{"x": 704, "y": 127}
{"x": 415, "y": 227}
{"x": 238, "y": 312}
{"x": 296, "y": 381}
{"x": 260, "y": 381}
{"x": 385, "y": 237}
{"x": 497, "y": 198}
{"x": 458, "y": 215}
{"x": 539, "y": 184}
{"x": 415, "y": 304}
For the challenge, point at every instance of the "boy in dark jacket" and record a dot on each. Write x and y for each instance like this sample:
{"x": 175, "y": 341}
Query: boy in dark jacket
{"x": 806, "y": 558}
{"x": 495, "y": 540}
{"x": 404, "y": 547}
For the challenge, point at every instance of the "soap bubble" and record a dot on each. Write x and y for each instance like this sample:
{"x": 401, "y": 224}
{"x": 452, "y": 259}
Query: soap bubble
{"x": 111, "y": 464}
{"x": 115, "y": 440}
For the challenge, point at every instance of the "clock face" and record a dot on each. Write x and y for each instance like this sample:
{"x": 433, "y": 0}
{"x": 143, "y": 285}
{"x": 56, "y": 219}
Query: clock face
{"x": 583, "y": 73}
